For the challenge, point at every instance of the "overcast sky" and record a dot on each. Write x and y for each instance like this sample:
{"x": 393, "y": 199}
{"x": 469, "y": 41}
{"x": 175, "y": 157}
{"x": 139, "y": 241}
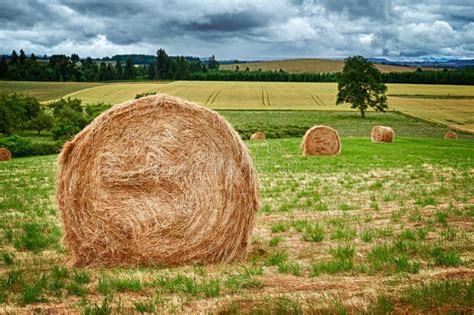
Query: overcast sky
{"x": 243, "y": 29}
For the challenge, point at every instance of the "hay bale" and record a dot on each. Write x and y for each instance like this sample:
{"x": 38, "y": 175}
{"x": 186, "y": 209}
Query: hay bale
{"x": 157, "y": 180}
{"x": 5, "y": 154}
{"x": 321, "y": 140}
{"x": 258, "y": 136}
{"x": 382, "y": 134}
{"x": 450, "y": 135}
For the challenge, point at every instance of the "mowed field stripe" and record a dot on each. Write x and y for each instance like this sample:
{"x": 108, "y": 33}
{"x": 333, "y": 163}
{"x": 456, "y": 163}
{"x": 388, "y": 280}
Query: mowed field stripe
{"x": 275, "y": 95}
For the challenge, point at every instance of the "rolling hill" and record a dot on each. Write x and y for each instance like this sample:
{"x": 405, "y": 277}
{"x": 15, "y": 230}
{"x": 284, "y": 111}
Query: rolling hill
{"x": 310, "y": 65}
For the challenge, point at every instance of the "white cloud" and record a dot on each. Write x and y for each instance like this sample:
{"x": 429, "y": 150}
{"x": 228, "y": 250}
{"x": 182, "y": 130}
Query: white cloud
{"x": 366, "y": 39}
{"x": 241, "y": 28}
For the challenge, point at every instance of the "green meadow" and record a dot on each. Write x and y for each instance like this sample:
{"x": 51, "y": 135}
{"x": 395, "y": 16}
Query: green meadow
{"x": 378, "y": 228}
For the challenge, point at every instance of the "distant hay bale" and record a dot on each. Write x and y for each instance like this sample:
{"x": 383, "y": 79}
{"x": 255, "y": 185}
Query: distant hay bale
{"x": 157, "y": 181}
{"x": 450, "y": 135}
{"x": 321, "y": 140}
{"x": 5, "y": 154}
{"x": 382, "y": 134}
{"x": 258, "y": 136}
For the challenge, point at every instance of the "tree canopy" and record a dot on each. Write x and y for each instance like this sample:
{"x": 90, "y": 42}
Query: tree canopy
{"x": 361, "y": 85}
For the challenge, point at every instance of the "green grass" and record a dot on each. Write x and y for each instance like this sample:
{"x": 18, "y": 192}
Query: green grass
{"x": 282, "y": 124}
{"x": 277, "y": 258}
{"x": 147, "y": 306}
{"x": 275, "y": 241}
{"x": 448, "y": 258}
{"x": 440, "y": 295}
{"x": 332, "y": 267}
{"x": 286, "y": 155}
{"x": 313, "y": 233}
{"x": 280, "y": 227}
{"x": 293, "y": 268}
{"x": 188, "y": 285}
{"x": 108, "y": 285}
{"x": 450, "y": 296}
{"x": 239, "y": 282}
{"x": 103, "y": 308}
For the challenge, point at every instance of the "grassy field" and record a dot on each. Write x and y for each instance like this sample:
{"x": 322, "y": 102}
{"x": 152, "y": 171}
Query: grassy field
{"x": 310, "y": 65}
{"x": 44, "y": 91}
{"x": 445, "y": 104}
{"x": 378, "y": 228}
{"x": 284, "y": 124}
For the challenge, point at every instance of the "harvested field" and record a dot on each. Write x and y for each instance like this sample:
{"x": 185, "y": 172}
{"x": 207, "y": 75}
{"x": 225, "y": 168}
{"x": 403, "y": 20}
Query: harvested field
{"x": 449, "y": 105}
{"x": 309, "y": 65}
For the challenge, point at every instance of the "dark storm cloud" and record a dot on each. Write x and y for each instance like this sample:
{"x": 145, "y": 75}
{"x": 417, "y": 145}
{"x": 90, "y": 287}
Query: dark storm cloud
{"x": 23, "y": 13}
{"x": 107, "y": 8}
{"x": 230, "y": 22}
{"x": 361, "y": 8}
{"x": 241, "y": 28}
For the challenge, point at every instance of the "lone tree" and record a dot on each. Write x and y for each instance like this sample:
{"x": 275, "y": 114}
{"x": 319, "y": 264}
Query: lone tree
{"x": 361, "y": 85}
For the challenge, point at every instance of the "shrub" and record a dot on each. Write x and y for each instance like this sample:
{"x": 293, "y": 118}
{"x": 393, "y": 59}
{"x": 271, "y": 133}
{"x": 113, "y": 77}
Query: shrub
{"x": 43, "y": 121}
{"x": 140, "y": 95}
{"x": 271, "y": 131}
{"x": 64, "y": 129}
{"x": 16, "y": 110}
{"x": 18, "y": 146}
{"x": 94, "y": 110}
{"x": 21, "y": 146}
{"x": 45, "y": 148}
{"x": 70, "y": 118}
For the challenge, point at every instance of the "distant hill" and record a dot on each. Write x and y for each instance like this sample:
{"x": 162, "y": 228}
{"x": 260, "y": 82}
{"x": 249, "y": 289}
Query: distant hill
{"x": 310, "y": 65}
{"x": 429, "y": 62}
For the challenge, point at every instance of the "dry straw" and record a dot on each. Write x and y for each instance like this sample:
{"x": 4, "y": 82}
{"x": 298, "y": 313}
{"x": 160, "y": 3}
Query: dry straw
{"x": 258, "y": 136}
{"x": 382, "y": 134}
{"x": 321, "y": 140}
{"x": 5, "y": 154}
{"x": 157, "y": 180}
{"x": 450, "y": 135}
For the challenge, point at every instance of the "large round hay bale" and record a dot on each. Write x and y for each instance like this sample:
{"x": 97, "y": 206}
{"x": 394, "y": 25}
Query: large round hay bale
{"x": 157, "y": 180}
{"x": 382, "y": 134}
{"x": 321, "y": 140}
{"x": 258, "y": 136}
{"x": 450, "y": 135}
{"x": 5, "y": 154}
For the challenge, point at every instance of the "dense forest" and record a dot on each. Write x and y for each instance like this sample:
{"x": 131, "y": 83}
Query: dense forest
{"x": 20, "y": 67}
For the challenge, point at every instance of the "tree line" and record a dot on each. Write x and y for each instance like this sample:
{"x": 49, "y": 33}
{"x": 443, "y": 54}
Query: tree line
{"x": 20, "y": 67}
{"x": 164, "y": 67}
{"x": 64, "y": 118}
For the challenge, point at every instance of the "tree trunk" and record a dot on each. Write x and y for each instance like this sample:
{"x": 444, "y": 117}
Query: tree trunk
{"x": 362, "y": 112}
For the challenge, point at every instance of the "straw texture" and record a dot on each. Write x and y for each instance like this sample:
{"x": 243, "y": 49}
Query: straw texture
{"x": 5, "y": 154}
{"x": 157, "y": 180}
{"x": 321, "y": 140}
{"x": 450, "y": 135}
{"x": 382, "y": 134}
{"x": 258, "y": 136}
